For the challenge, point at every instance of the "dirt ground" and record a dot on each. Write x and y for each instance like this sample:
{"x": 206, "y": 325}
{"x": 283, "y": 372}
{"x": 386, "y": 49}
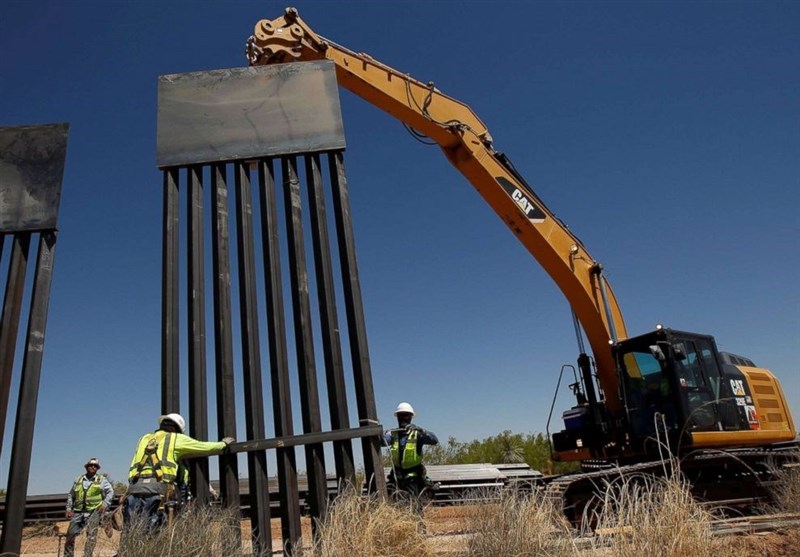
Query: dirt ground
{"x": 444, "y": 525}
{"x": 40, "y": 541}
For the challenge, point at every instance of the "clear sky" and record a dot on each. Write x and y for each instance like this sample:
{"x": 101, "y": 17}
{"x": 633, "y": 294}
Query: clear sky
{"x": 666, "y": 135}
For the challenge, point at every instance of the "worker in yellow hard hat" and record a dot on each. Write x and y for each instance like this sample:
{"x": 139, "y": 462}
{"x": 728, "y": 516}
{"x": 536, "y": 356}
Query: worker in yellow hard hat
{"x": 89, "y": 498}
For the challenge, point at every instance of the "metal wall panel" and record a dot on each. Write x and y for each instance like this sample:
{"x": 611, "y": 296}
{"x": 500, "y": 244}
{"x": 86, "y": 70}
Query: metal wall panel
{"x": 242, "y": 113}
{"x": 240, "y": 123}
{"x": 31, "y": 170}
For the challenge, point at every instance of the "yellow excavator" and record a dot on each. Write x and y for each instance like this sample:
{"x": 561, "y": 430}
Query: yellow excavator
{"x": 635, "y": 397}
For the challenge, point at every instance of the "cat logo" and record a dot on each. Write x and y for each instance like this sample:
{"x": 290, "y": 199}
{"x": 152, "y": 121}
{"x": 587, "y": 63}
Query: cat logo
{"x": 531, "y": 210}
{"x": 737, "y": 386}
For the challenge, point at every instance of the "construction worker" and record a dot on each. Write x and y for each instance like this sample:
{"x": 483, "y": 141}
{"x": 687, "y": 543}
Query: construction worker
{"x": 405, "y": 444}
{"x": 89, "y": 498}
{"x": 156, "y": 471}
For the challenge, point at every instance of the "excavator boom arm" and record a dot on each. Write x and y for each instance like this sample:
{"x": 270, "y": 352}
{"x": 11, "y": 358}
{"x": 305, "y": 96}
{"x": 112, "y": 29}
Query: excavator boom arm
{"x": 466, "y": 143}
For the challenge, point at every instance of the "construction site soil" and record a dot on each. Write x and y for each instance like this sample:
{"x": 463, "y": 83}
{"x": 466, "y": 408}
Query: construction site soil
{"x": 445, "y": 527}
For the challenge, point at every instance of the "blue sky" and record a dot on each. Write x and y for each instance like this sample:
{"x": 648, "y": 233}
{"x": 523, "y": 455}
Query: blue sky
{"x": 666, "y": 135}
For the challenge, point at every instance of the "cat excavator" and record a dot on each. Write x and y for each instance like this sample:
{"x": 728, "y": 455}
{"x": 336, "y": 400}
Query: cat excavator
{"x": 637, "y": 398}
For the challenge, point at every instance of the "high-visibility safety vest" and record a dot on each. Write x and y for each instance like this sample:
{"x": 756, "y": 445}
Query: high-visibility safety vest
{"x": 410, "y": 457}
{"x": 87, "y": 500}
{"x": 155, "y": 458}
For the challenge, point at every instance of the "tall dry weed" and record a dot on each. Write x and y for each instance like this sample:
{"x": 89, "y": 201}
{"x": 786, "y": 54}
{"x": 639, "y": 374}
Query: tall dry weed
{"x": 786, "y": 493}
{"x": 647, "y": 516}
{"x": 196, "y": 531}
{"x": 370, "y": 527}
{"x": 519, "y": 525}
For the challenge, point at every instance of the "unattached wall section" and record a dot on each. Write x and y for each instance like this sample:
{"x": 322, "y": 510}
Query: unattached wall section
{"x": 255, "y": 155}
{"x": 31, "y": 170}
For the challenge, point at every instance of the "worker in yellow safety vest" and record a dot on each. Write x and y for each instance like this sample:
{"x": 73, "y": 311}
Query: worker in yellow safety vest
{"x": 408, "y": 473}
{"x": 156, "y": 472}
{"x": 89, "y": 498}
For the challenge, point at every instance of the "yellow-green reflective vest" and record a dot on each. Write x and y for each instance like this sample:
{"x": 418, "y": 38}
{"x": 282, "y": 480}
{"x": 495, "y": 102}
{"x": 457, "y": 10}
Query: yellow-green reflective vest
{"x": 410, "y": 457}
{"x": 157, "y": 463}
{"x": 87, "y": 500}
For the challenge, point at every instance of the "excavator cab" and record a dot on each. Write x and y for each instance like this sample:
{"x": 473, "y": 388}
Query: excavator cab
{"x": 677, "y": 391}
{"x": 672, "y": 385}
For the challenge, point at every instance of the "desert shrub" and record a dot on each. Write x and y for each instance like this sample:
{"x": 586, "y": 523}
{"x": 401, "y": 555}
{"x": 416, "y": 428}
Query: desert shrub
{"x": 518, "y": 525}
{"x": 369, "y": 527}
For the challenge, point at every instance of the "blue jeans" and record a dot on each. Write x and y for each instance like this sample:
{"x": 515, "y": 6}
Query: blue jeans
{"x": 144, "y": 506}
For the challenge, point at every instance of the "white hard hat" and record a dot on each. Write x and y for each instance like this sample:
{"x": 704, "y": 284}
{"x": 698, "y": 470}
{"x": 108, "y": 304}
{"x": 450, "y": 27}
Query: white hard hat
{"x": 176, "y": 419}
{"x": 92, "y": 462}
{"x": 404, "y": 408}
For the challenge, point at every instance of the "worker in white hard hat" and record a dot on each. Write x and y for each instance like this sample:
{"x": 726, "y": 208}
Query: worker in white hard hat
{"x": 89, "y": 498}
{"x": 156, "y": 469}
{"x": 405, "y": 445}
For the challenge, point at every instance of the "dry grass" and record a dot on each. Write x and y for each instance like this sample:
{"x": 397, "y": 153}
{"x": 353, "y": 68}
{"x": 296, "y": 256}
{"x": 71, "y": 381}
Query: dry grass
{"x": 787, "y": 490}
{"x": 518, "y": 525}
{"x": 198, "y": 531}
{"x": 635, "y": 517}
{"x": 655, "y": 517}
{"x": 369, "y": 527}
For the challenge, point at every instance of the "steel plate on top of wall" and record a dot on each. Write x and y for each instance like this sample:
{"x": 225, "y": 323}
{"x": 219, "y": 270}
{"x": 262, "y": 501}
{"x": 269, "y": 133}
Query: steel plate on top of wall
{"x": 31, "y": 170}
{"x": 241, "y": 113}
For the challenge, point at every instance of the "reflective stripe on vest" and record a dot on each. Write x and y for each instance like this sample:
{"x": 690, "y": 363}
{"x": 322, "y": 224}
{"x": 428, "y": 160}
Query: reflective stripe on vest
{"x": 89, "y": 499}
{"x": 410, "y": 456}
{"x": 162, "y": 464}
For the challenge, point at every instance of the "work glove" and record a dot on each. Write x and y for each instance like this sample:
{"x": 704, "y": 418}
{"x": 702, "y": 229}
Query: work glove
{"x": 227, "y": 441}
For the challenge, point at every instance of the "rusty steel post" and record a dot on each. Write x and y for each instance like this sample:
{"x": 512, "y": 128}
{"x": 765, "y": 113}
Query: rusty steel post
{"x": 362, "y": 372}
{"x": 223, "y": 333}
{"x": 304, "y": 340}
{"x": 196, "y": 295}
{"x": 170, "y": 351}
{"x": 329, "y": 324}
{"x": 19, "y": 469}
{"x": 9, "y": 324}
{"x": 251, "y": 363}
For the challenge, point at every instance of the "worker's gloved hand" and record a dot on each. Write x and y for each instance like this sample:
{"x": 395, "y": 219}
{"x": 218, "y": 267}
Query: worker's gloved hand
{"x": 228, "y": 441}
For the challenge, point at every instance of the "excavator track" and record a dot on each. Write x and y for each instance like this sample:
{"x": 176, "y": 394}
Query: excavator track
{"x": 732, "y": 482}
